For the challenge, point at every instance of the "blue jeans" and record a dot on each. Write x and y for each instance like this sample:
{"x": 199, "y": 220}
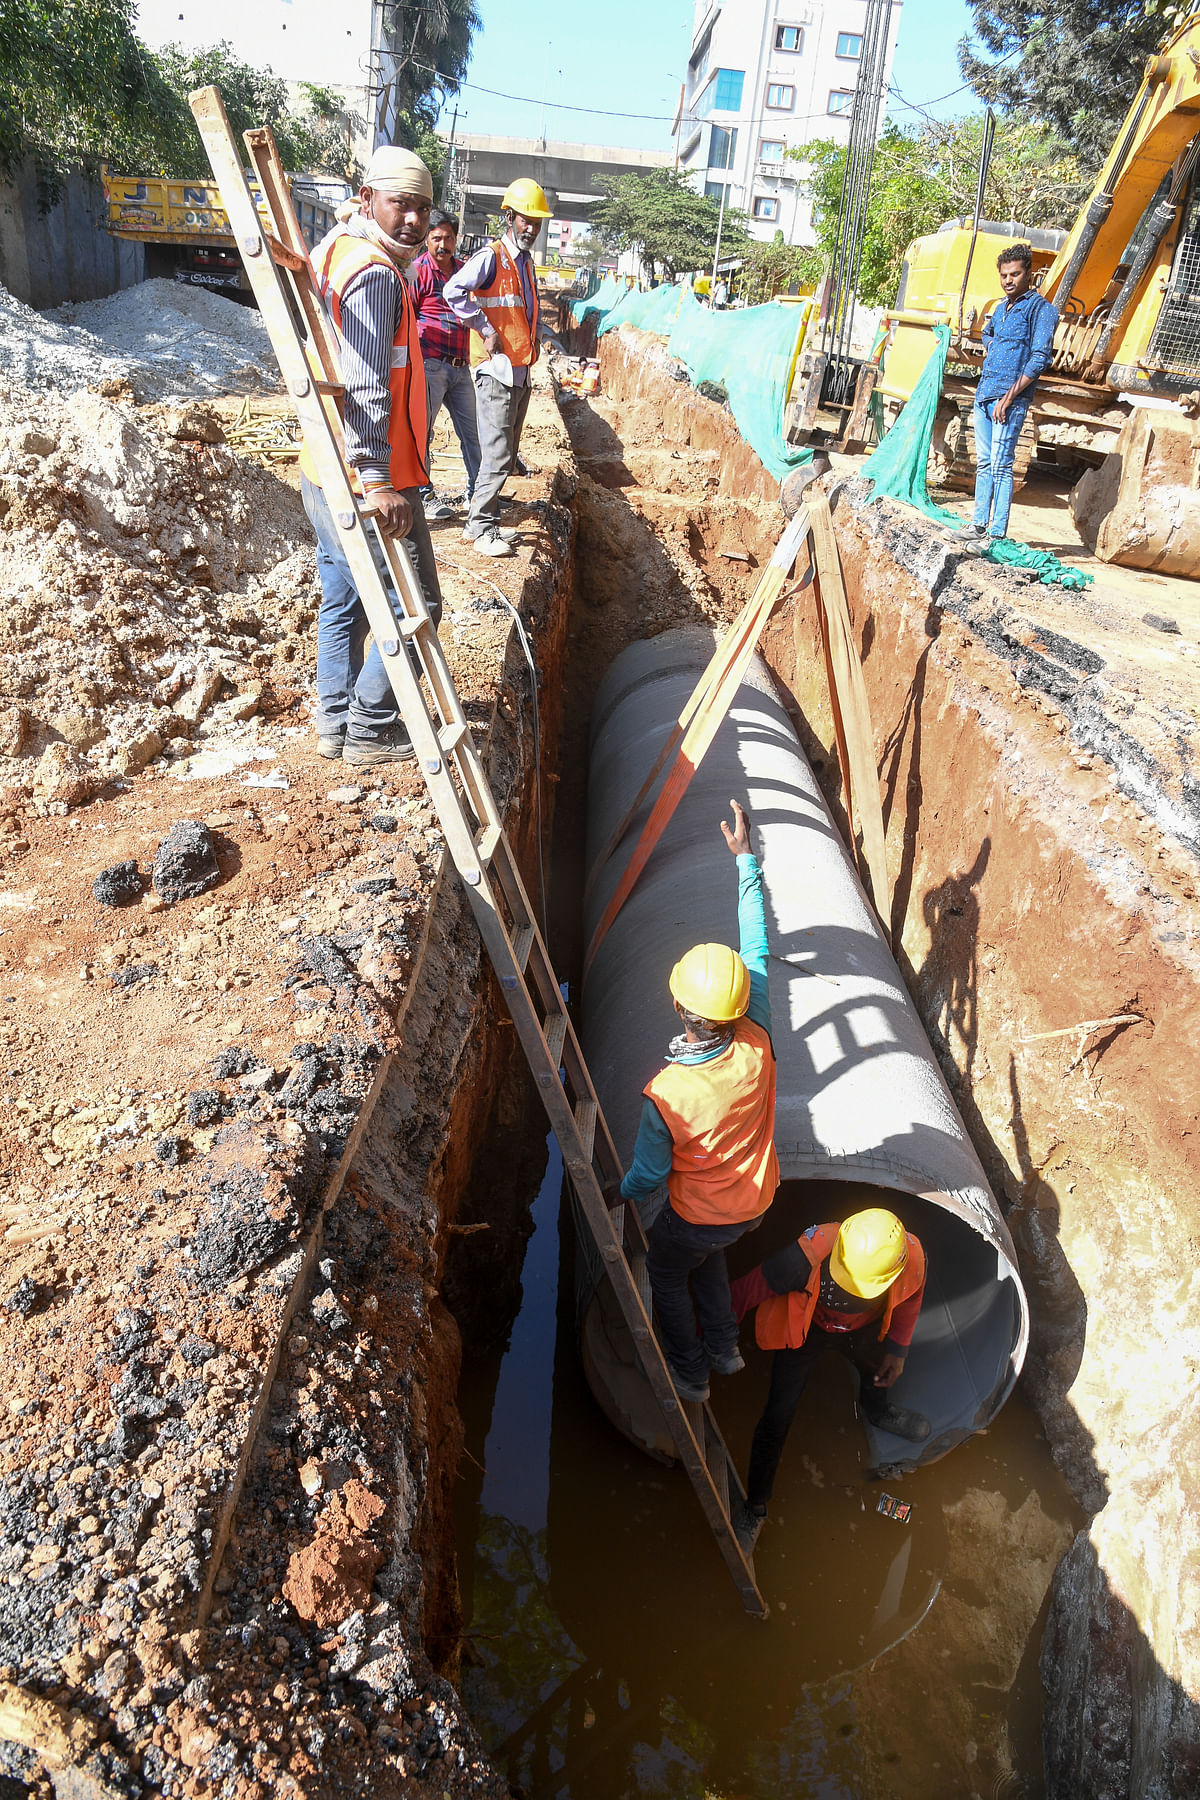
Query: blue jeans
{"x": 353, "y": 690}
{"x": 453, "y": 388}
{"x": 679, "y": 1249}
{"x": 995, "y": 448}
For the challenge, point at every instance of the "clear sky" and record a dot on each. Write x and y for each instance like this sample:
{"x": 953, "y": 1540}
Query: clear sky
{"x": 628, "y": 57}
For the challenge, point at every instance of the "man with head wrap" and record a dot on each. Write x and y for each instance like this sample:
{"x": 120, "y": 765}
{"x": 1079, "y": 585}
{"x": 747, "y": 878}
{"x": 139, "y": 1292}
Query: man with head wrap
{"x": 359, "y": 267}
{"x": 495, "y": 293}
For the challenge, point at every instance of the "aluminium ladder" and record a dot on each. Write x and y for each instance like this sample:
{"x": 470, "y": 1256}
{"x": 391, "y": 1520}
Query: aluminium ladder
{"x": 305, "y": 343}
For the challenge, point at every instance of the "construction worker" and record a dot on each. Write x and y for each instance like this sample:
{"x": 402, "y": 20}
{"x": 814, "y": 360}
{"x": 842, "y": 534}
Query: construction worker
{"x": 855, "y": 1287}
{"x": 445, "y": 345}
{"x": 495, "y": 293}
{"x": 707, "y": 1131}
{"x": 1018, "y": 345}
{"x": 360, "y": 267}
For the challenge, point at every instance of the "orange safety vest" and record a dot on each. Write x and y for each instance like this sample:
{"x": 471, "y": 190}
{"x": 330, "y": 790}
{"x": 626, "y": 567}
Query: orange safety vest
{"x": 338, "y": 261}
{"x": 782, "y": 1321}
{"x": 503, "y": 303}
{"x": 721, "y": 1116}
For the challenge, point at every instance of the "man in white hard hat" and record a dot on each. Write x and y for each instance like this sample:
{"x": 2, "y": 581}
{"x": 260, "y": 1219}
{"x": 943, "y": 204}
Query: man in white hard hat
{"x": 360, "y": 268}
{"x": 495, "y": 293}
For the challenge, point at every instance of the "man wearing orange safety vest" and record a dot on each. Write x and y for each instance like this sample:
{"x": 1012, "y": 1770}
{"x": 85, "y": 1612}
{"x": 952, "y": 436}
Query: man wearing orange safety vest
{"x": 856, "y": 1288}
{"x": 495, "y": 293}
{"x": 360, "y": 268}
{"x": 707, "y": 1130}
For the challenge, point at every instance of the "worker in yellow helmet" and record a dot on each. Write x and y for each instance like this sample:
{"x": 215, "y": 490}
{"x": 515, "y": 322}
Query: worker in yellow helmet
{"x": 855, "y": 1287}
{"x": 495, "y": 294}
{"x": 707, "y": 1131}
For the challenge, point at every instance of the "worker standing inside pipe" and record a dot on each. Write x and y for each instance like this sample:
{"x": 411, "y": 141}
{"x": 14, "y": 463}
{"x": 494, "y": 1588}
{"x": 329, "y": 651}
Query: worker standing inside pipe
{"x": 360, "y": 267}
{"x": 856, "y": 1288}
{"x": 495, "y": 293}
{"x": 707, "y": 1131}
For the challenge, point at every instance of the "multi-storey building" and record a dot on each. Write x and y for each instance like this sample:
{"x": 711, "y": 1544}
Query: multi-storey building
{"x": 765, "y": 77}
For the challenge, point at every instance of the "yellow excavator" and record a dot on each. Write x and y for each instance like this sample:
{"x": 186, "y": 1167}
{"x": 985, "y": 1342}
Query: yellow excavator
{"x": 1123, "y": 392}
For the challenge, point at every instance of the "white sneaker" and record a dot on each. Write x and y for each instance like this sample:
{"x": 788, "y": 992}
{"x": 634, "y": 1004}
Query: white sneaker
{"x": 504, "y": 531}
{"x": 492, "y": 543}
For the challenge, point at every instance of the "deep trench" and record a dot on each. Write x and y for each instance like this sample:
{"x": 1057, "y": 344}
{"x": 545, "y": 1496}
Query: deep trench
{"x": 604, "y": 1652}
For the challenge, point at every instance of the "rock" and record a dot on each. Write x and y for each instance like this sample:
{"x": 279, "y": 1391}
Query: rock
{"x": 331, "y": 1314}
{"x": 383, "y": 821}
{"x": 81, "y": 727}
{"x": 374, "y": 884}
{"x": 330, "y": 1578}
{"x": 185, "y": 863}
{"x": 192, "y": 706}
{"x": 32, "y": 442}
{"x": 1157, "y": 622}
{"x": 170, "y": 1151}
{"x": 133, "y": 753}
{"x": 118, "y": 886}
{"x": 195, "y": 424}
{"x": 58, "y": 1736}
{"x": 14, "y": 729}
{"x": 63, "y": 775}
{"x": 23, "y": 1299}
{"x": 345, "y": 796}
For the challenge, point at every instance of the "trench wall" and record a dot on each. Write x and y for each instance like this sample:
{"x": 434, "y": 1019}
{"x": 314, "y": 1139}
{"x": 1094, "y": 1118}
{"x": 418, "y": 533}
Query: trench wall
{"x": 1030, "y": 896}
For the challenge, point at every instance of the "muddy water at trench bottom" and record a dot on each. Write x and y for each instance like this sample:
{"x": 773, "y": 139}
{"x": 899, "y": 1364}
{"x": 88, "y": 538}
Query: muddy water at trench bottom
{"x": 606, "y": 1652}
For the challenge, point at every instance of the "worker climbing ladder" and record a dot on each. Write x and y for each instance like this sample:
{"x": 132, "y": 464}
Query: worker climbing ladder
{"x": 280, "y": 272}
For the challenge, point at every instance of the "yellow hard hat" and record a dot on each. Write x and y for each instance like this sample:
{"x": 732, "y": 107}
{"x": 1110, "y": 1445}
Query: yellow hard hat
{"x": 525, "y": 196}
{"x": 870, "y": 1252}
{"x": 711, "y": 981}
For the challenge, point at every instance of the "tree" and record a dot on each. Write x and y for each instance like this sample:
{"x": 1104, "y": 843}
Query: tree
{"x": 313, "y": 140}
{"x": 432, "y": 41}
{"x": 662, "y": 217}
{"x": 1072, "y": 66}
{"x": 770, "y": 269}
{"x": 922, "y": 178}
{"x": 76, "y": 85}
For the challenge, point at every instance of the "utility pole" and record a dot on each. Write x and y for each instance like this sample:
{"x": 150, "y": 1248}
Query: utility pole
{"x": 730, "y": 133}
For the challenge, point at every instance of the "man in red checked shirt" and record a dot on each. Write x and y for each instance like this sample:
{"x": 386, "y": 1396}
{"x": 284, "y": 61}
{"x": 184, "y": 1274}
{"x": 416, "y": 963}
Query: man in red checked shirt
{"x": 445, "y": 345}
{"x": 856, "y": 1288}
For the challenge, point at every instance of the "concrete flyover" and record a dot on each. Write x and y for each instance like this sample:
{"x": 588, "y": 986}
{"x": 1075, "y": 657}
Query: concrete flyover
{"x": 566, "y": 171}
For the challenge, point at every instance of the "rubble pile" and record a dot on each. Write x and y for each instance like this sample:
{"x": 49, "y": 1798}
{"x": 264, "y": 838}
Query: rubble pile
{"x": 147, "y": 573}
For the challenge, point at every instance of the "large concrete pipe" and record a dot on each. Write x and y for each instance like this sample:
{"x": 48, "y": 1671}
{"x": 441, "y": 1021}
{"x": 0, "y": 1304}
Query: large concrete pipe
{"x": 860, "y": 1098}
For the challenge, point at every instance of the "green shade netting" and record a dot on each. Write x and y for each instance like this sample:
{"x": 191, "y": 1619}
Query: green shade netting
{"x": 897, "y": 470}
{"x": 606, "y": 295}
{"x": 653, "y": 310}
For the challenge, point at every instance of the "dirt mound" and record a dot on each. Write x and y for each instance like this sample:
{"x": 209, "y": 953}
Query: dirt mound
{"x": 145, "y": 570}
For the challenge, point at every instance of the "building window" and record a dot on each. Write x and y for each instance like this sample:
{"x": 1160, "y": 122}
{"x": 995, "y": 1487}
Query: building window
{"x": 766, "y": 207}
{"x": 771, "y": 150}
{"x": 788, "y": 37}
{"x": 780, "y": 98}
{"x": 841, "y": 100}
{"x": 849, "y": 43}
{"x": 722, "y": 146}
{"x": 723, "y": 93}
{"x": 714, "y": 189}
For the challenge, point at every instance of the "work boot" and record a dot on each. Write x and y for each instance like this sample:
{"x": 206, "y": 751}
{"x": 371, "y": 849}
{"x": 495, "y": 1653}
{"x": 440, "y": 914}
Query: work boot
{"x": 493, "y": 543}
{"x": 731, "y": 1364}
{"x": 689, "y": 1390}
{"x": 902, "y": 1423}
{"x": 521, "y": 467}
{"x": 392, "y": 745}
{"x": 972, "y": 534}
{"x": 331, "y": 743}
{"x": 748, "y": 1521}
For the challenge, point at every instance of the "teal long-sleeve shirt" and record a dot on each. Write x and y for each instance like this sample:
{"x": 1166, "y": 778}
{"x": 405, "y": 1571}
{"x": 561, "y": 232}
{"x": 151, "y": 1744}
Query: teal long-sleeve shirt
{"x": 653, "y": 1151}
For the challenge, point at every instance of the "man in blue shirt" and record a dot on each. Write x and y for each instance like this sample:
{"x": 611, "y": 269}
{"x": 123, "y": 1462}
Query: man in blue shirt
{"x": 707, "y": 1132}
{"x": 1018, "y": 342}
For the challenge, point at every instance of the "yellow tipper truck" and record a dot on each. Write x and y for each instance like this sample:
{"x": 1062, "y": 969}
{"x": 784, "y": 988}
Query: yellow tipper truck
{"x": 185, "y": 230}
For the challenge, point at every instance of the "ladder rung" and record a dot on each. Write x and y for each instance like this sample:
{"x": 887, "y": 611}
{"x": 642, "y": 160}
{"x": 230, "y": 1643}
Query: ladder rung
{"x": 554, "y": 1032}
{"x": 485, "y": 844}
{"x": 522, "y": 944}
{"x": 585, "y": 1119}
{"x": 410, "y": 627}
{"x": 451, "y": 736}
{"x": 336, "y": 388}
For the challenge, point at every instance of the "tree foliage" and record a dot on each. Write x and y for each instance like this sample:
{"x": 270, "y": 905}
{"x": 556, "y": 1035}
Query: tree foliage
{"x": 662, "y": 217}
{"x": 1073, "y": 66}
{"x": 923, "y": 177}
{"x": 314, "y": 139}
{"x": 433, "y": 47}
{"x": 775, "y": 268}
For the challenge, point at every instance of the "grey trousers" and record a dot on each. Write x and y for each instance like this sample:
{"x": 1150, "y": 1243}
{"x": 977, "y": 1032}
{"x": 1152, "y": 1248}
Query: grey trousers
{"x": 499, "y": 415}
